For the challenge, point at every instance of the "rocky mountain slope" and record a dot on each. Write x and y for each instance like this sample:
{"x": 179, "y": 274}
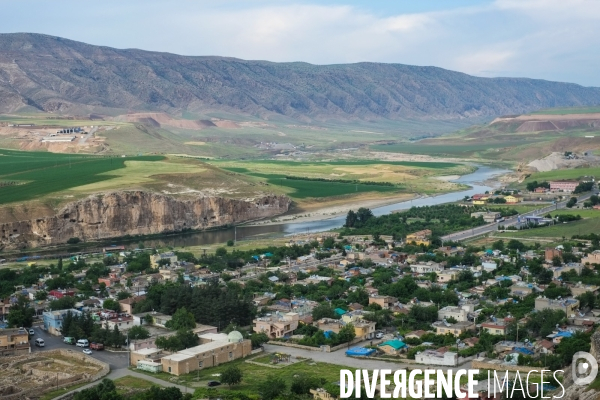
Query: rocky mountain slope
{"x": 54, "y": 74}
{"x": 117, "y": 214}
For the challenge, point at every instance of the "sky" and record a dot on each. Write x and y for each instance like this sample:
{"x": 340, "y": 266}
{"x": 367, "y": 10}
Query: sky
{"x": 544, "y": 39}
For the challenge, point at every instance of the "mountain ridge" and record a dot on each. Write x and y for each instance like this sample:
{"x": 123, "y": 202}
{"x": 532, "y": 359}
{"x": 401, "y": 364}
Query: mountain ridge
{"x": 54, "y": 74}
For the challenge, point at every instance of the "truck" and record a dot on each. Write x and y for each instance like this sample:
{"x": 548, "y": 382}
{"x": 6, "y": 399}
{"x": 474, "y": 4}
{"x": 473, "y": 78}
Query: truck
{"x": 69, "y": 340}
{"x": 96, "y": 346}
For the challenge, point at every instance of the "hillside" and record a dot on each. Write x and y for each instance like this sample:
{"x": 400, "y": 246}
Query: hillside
{"x": 40, "y": 72}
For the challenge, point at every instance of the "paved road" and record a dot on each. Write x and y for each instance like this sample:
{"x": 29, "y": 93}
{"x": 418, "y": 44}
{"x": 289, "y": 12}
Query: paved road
{"x": 116, "y": 360}
{"x": 339, "y": 357}
{"x": 482, "y": 230}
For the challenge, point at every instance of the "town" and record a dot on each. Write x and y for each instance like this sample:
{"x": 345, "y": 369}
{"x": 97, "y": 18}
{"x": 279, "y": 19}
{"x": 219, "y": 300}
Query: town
{"x": 382, "y": 290}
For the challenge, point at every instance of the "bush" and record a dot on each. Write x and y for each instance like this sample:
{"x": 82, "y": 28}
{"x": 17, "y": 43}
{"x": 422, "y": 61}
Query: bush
{"x": 73, "y": 240}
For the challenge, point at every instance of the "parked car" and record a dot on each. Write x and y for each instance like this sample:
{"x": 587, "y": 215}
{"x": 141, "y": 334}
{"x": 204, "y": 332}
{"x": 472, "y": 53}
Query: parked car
{"x": 213, "y": 383}
{"x": 96, "y": 346}
{"x": 69, "y": 340}
{"x": 379, "y": 335}
{"x": 87, "y": 351}
{"x": 82, "y": 343}
{"x": 31, "y": 331}
{"x": 40, "y": 342}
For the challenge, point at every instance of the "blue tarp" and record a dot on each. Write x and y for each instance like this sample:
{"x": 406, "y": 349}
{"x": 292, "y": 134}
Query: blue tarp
{"x": 524, "y": 350}
{"x": 359, "y": 352}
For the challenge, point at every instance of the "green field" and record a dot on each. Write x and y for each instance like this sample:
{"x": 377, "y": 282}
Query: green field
{"x": 564, "y": 174}
{"x": 566, "y": 111}
{"x": 36, "y": 174}
{"x": 582, "y": 227}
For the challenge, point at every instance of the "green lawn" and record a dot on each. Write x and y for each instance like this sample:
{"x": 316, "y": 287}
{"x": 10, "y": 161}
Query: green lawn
{"x": 254, "y": 374}
{"x": 37, "y": 174}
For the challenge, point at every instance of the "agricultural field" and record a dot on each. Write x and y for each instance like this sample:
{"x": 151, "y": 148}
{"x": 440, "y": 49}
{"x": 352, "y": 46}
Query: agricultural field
{"x": 305, "y": 180}
{"x": 564, "y": 174}
{"x": 31, "y": 175}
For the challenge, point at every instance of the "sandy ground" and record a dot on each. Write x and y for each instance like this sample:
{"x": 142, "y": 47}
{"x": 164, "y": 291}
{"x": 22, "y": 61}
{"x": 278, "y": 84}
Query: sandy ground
{"x": 334, "y": 211}
{"x": 447, "y": 178}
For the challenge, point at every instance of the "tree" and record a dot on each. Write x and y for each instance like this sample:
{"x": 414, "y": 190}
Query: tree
{"x": 556, "y": 261}
{"x": 73, "y": 240}
{"x": 182, "y": 319}
{"x": 232, "y": 375}
{"x": 350, "y": 219}
{"x": 323, "y": 311}
{"x": 258, "y": 339}
{"x": 148, "y": 319}
{"x": 572, "y": 201}
{"x": 303, "y": 383}
{"x": 20, "y": 314}
{"x": 60, "y": 264}
{"x": 181, "y": 340}
{"x": 221, "y": 252}
{"x": 111, "y": 304}
{"x": 271, "y": 388}
{"x": 138, "y": 332}
{"x": 41, "y": 295}
{"x": 63, "y": 303}
{"x": 123, "y": 295}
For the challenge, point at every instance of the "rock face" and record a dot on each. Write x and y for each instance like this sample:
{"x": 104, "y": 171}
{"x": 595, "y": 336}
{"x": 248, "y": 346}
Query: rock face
{"x": 118, "y": 214}
{"x": 576, "y": 392}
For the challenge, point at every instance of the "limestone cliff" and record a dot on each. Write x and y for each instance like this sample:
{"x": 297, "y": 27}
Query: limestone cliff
{"x": 575, "y": 392}
{"x": 118, "y": 214}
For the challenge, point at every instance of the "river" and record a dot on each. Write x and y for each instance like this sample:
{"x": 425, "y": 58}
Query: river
{"x": 475, "y": 180}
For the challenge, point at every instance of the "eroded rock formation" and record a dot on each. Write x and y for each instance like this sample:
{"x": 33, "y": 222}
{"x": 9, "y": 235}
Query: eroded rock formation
{"x": 118, "y": 214}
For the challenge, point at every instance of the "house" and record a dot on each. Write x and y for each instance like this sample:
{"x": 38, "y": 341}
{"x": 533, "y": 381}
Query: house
{"x": 385, "y": 302}
{"x": 550, "y": 253}
{"x": 196, "y": 358}
{"x": 488, "y": 216}
{"x": 563, "y": 186}
{"x": 521, "y": 290}
{"x": 489, "y": 266}
{"x": 545, "y": 346}
{"x": 415, "y": 334}
{"x": 392, "y": 347}
{"x": 53, "y": 320}
{"x": 364, "y": 329}
{"x": 456, "y": 329}
{"x": 420, "y": 237}
{"x": 277, "y": 325}
{"x": 458, "y": 313}
{"x": 569, "y": 306}
{"x": 447, "y": 275}
{"x": 123, "y": 321}
{"x": 14, "y": 342}
{"x": 424, "y": 268}
{"x": 60, "y": 293}
{"x": 158, "y": 319}
{"x": 557, "y": 271}
{"x": 578, "y": 289}
{"x": 592, "y": 258}
{"x": 495, "y": 328}
{"x": 355, "y": 306}
{"x": 513, "y": 199}
{"x": 130, "y": 302}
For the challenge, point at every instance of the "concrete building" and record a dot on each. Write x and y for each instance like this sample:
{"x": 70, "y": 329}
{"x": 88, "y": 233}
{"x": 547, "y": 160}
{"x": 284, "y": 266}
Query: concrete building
{"x": 488, "y": 216}
{"x": 362, "y": 329}
{"x": 128, "y": 303}
{"x": 447, "y": 275}
{"x": 277, "y": 325}
{"x": 563, "y": 186}
{"x": 557, "y": 271}
{"x": 458, "y": 313}
{"x": 569, "y": 306}
{"x": 392, "y": 347}
{"x": 423, "y": 268}
{"x": 550, "y": 253}
{"x": 385, "y": 302}
{"x": 420, "y": 237}
{"x": 124, "y": 322}
{"x": 494, "y": 328}
{"x": 592, "y": 258}
{"x": 14, "y": 342}
{"x": 455, "y": 329}
{"x": 207, "y": 355}
{"x": 433, "y": 357}
{"x": 579, "y": 289}
{"x": 53, "y": 320}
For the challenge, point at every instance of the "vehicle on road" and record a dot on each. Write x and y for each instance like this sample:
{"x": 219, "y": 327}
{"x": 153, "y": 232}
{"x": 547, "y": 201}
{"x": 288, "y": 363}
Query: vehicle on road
{"x": 83, "y": 343}
{"x": 31, "y": 331}
{"x": 96, "y": 346}
{"x": 39, "y": 342}
{"x": 69, "y": 340}
{"x": 87, "y": 351}
{"x": 213, "y": 383}
{"x": 379, "y": 335}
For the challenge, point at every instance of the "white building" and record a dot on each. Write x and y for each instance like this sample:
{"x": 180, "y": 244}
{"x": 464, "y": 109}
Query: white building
{"x": 432, "y": 357}
{"x": 459, "y": 314}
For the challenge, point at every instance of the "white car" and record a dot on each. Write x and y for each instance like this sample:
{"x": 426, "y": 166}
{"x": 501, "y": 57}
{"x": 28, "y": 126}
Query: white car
{"x": 87, "y": 351}
{"x": 379, "y": 335}
{"x": 31, "y": 332}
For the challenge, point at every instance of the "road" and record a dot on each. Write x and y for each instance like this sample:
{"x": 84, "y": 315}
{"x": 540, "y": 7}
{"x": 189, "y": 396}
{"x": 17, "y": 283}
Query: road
{"x": 339, "y": 358}
{"x": 482, "y": 230}
{"x": 116, "y": 360}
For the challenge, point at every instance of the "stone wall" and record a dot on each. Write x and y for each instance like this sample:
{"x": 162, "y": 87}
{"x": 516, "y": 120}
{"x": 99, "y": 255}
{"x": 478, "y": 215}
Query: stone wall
{"x": 482, "y": 363}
